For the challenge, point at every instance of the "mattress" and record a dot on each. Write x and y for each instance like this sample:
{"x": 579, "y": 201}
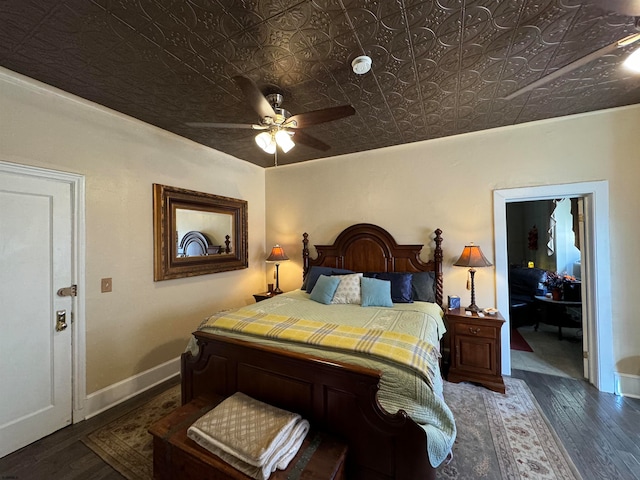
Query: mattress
{"x": 400, "y": 387}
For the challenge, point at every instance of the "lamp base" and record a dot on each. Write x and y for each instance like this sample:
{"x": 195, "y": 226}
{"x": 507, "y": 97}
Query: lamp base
{"x": 277, "y": 291}
{"x": 473, "y": 308}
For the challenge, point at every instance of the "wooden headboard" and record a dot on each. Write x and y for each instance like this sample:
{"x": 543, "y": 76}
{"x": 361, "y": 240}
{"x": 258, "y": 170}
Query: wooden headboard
{"x": 368, "y": 248}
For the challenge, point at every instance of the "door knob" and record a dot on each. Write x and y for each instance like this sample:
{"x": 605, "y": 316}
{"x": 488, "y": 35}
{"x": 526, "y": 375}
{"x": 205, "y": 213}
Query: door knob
{"x": 61, "y": 320}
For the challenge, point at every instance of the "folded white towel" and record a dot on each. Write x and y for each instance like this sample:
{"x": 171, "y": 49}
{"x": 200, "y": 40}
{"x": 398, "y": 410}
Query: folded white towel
{"x": 253, "y": 436}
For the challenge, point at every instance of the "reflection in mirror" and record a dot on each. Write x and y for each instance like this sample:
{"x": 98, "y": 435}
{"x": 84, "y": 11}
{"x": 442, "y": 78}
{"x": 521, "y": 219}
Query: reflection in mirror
{"x": 197, "y": 233}
{"x": 202, "y": 233}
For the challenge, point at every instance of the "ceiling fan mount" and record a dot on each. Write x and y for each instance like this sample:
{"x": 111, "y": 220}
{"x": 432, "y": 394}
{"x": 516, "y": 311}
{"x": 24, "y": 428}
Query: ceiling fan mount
{"x": 282, "y": 115}
{"x": 274, "y": 119}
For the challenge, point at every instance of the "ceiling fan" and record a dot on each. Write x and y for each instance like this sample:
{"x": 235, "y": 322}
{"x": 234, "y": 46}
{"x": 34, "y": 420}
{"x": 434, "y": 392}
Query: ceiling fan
{"x": 632, "y": 62}
{"x": 277, "y": 124}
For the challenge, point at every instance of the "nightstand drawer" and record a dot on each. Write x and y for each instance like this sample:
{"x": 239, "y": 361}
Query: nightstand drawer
{"x": 475, "y": 330}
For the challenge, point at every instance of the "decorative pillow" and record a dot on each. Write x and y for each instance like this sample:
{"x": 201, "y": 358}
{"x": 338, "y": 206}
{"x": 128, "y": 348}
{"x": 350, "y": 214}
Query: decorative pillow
{"x": 349, "y": 289}
{"x": 400, "y": 285}
{"x": 315, "y": 272}
{"x": 376, "y": 293}
{"x": 324, "y": 289}
{"x": 422, "y": 285}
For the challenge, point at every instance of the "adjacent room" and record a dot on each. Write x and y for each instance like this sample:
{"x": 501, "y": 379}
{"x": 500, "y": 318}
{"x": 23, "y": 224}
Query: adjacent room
{"x": 402, "y": 233}
{"x": 547, "y": 331}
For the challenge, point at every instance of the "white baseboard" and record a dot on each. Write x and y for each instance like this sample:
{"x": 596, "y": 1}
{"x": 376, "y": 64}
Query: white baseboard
{"x": 112, "y": 395}
{"x": 627, "y": 385}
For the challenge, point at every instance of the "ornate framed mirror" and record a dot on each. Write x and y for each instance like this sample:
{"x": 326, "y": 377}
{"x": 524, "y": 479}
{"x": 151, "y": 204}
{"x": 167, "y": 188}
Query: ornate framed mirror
{"x": 197, "y": 233}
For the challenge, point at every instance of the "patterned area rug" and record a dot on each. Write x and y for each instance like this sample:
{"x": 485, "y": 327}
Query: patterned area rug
{"x": 499, "y": 436}
{"x": 518, "y": 342}
{"x": 125, "y": 443}
{"x": 503, "y": 436}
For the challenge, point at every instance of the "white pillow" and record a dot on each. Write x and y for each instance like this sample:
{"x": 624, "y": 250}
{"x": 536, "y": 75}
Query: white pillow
{"x": 348, "y": 290}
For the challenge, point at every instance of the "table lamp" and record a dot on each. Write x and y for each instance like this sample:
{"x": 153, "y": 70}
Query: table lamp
{"x": 277, "y": 255}
{"x": 472, "y": 257}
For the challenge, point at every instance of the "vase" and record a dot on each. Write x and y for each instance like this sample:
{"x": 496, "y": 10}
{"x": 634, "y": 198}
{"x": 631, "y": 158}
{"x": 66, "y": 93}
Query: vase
{"x": 556, "y": 294}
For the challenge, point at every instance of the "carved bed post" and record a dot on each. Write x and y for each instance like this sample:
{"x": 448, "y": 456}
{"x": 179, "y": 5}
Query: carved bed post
{"x": 437, "y": 257}
{"x": 227, "y": 242}
{"x": 305, "y": 254}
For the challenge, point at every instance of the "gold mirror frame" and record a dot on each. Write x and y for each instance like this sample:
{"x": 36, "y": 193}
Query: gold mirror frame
{"x": 167, "y": 264}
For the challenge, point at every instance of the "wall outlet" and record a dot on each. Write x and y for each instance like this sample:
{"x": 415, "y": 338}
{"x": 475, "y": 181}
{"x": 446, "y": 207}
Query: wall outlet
{"x": 106, "y": 285}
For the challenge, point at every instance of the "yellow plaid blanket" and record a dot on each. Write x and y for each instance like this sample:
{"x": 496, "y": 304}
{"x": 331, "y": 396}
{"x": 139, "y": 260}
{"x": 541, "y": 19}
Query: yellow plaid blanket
{"x": 401, "y": 348}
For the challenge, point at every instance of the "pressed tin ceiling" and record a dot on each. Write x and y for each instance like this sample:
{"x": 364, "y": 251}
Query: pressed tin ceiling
{"x": 440, "y": 68}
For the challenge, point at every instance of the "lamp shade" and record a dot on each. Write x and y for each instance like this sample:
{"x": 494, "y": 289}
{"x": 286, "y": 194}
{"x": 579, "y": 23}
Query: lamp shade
{"x": 277, "y": 254}
{"x": 633, "y": 61}
{"x": 265, "y": 142}
{"x": 472, "y": 256}
{"x": 283, "y": 139}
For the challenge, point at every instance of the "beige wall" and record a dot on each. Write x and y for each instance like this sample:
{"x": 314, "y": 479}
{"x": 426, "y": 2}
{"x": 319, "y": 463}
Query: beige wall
{"x": 410, "y": 190}
{"x": 448, "y": 183}
{"x": 141, "y": 324}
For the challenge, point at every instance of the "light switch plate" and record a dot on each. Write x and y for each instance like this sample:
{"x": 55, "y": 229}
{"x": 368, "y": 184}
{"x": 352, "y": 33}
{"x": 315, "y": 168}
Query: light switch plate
{"x": 106, "y": 285}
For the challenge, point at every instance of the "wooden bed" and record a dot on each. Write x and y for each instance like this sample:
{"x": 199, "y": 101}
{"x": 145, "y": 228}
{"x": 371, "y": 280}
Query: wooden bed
{"x": 335, "y": 397}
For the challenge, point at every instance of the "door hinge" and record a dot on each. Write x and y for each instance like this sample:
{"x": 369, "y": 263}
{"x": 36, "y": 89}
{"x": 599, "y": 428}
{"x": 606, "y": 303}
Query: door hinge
{"x": 585, "y": 354}
{"x": 71, "y": 291}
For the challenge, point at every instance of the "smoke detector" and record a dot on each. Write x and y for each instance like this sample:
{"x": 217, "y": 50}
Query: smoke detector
{"x": 361, "y": 65}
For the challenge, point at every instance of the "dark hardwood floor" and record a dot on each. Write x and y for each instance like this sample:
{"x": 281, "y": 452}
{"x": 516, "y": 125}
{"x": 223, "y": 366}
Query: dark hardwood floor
{"x": 63, "y": 456}
{"x": 600, "y": 431}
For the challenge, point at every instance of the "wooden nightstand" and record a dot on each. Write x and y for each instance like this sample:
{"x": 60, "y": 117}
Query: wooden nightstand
{"x": 475, "y": 349}
{"x": 263, "y": 296}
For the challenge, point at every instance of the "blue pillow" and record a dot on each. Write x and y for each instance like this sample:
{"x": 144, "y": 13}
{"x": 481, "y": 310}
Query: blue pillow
{"x": 401, "y": 289}
{"x": 324, "y": 289}
{"x": 375, "y": 292}
{"x": 423, "y": 287}
{"x": 315, "y": 272}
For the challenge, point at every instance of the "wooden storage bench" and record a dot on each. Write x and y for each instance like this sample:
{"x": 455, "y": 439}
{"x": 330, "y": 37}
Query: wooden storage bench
{"x": 176, "y": 456}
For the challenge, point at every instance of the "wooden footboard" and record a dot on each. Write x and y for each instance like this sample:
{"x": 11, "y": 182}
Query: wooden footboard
{"x": 333, "y": 396}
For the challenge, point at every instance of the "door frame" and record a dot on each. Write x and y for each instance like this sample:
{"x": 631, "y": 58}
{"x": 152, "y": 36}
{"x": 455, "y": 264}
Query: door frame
{"x": 597, "y": 255}
{"x": 78, "y": 327}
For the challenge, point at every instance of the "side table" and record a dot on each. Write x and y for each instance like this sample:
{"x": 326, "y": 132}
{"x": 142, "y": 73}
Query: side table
{"x": 475, "y": 348}
{"x": 556, "y": 313}
{"x": 264, "y": 295}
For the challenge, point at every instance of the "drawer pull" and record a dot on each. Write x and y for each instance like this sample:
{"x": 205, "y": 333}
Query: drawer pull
{"x": 474, "y": 331}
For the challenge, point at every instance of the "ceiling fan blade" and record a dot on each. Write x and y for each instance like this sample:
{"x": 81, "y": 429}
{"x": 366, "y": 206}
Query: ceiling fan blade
{"x": 575, "y": 65}
{"x": 315, "y": 117}
{"x": 225, "y": 125}
{"x": 305, "y": 139}
{"x": 255, "y": 97}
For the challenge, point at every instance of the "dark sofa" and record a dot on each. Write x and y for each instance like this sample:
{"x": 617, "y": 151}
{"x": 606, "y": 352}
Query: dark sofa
{"x": 523, "y": 283}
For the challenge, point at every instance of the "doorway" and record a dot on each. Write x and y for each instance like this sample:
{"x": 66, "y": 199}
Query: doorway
{"x": 42, "y": 346}
{"x": 544, "y": 238}
{"x": 596, "y": 271}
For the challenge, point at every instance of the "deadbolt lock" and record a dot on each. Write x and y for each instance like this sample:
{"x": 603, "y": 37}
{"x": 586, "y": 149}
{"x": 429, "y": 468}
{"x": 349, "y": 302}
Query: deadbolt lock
{"x": 61, "y": 320}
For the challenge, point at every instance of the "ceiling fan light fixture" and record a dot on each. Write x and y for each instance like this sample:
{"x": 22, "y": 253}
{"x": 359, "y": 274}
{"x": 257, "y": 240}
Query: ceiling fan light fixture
{"x": 633, "y": 61}
{"x": 266, "y": 142}
{"x": 283, "y": 139}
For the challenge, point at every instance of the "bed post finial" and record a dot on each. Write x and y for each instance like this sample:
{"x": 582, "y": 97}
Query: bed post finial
{"x": 305, "y": 254}
{"x": 437, "y": 258}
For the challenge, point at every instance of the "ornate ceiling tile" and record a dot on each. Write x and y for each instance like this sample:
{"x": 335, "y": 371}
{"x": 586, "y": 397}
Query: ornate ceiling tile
{"x": 439, "y": 68}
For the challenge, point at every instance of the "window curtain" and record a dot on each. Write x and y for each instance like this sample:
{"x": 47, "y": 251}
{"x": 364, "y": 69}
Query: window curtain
{"x": 551, "y": 231}
{"x": 575, "y": 214}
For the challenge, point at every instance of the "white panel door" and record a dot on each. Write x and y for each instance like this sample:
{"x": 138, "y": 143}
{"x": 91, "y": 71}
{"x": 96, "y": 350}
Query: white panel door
{"x": 36, "y": 226}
